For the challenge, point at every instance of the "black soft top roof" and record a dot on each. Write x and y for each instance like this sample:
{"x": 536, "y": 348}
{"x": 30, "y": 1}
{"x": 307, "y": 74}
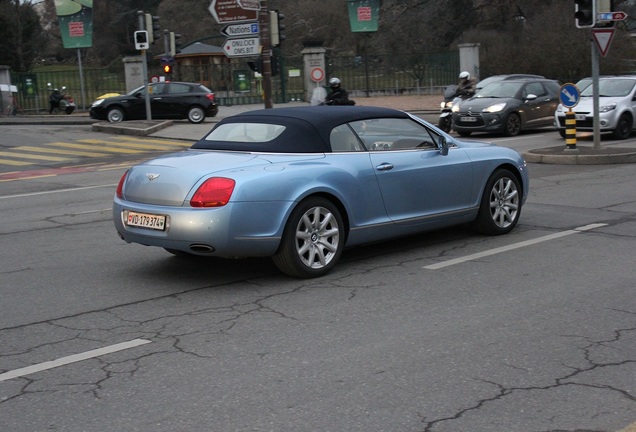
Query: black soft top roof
{"x": 307, "y": 128}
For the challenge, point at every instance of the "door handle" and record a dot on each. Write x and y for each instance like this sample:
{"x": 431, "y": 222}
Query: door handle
{"x": 385, "y": 166}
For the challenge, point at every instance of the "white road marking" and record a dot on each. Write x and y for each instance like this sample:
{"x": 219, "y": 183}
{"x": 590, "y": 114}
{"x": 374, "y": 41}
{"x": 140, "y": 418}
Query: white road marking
{"x": 495, "y": 251}
{"x": 57, "y": 191}
{"x": 72, "y": 359}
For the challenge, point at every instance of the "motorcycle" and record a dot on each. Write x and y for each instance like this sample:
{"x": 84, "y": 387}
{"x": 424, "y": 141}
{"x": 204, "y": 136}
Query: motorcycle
{"x": 61, "y": 101}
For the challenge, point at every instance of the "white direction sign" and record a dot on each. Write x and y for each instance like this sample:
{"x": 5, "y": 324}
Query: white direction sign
{"x": 236, "y": 30}
{"x": 242, "y": 47}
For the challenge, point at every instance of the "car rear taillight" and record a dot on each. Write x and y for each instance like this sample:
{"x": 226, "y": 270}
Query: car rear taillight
{"x": 214, "y": 192}
{"x": 120, "y": 186}
{"x": 210, "y": 96}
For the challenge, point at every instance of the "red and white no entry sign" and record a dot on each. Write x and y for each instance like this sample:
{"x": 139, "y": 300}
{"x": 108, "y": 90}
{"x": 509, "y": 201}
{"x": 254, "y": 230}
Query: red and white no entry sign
{"x": 317, "y": 74}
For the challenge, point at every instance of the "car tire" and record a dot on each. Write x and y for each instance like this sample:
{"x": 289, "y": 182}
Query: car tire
{"x": 196, "y": 114}
{"x": 513, "y": 125}
{"x": 623, "y": 127}
{"x": 312, "y": 241}
{"x": 500, "y": 205}
{"x": 115, "y": 115}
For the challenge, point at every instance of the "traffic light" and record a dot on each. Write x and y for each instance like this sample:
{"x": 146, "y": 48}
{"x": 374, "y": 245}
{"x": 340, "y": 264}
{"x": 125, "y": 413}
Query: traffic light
{"x": 167, "y": 69}
{"x": 152, "y": 27}
{"x": 256, "y": 66}
{"x": 141, "y": 40}
{"x": 276, "y": 28}
{"x": 585, "y": 13}
{"x": 175, "y": 46}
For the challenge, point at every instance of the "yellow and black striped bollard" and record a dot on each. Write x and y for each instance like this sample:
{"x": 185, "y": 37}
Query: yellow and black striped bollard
{"x": 570, "y": 130}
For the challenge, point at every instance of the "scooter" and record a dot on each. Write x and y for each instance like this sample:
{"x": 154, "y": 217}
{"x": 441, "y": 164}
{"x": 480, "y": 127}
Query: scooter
{"x": 446, "y": 116}
{"x": 64, "y": 102}
{"x": 67, "y": 103}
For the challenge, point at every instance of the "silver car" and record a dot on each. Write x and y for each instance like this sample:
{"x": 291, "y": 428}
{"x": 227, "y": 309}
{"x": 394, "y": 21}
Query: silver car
{"x": 617, "y": 108}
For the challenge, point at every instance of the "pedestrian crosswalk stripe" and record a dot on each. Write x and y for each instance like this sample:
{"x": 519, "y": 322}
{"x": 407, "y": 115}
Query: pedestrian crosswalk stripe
{"x": 14, "y": 163}
{"x": 129, "y": 144}
{"x": 159, "y": 141}
{"x": 32, "y": 156}
{"x": 90, "y": 147}
{"x": 60, "y": 151}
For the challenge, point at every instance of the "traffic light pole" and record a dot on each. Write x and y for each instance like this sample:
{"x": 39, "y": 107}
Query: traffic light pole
{"x": 145, "y": 67}
{"x": 266, "y": 54}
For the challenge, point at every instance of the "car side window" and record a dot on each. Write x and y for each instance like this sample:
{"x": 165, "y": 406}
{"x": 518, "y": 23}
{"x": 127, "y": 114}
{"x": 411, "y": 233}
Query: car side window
{"x": 535, "y": 89}
{"x": 154, "y": 89}
{"x": 178, "y": 88}
{"x": 342, "y": 139}
{"x": 395, "y": 134}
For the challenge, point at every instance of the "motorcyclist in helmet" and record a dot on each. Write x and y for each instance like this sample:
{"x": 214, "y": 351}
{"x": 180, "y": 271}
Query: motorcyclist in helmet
{"x": 337, "y": 95}
{"x": 466, "y": 86}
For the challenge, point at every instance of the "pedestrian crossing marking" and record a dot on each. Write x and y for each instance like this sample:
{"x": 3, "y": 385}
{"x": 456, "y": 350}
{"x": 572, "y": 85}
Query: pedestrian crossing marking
{"x": 32, "y": 156}
{"x": 60, "y": 151}
{"x": 129, "y": 144}
{"x": 90, "y": 147}
{"x": 14, "y": 163}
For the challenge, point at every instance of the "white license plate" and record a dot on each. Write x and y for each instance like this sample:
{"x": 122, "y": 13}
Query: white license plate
{"x": 144, "y": 220}
{"x": 468, "y": 119}
{"x": 580, "y": 117}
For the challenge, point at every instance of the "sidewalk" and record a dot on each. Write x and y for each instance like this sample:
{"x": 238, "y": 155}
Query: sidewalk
{"x": 425, "y": 106}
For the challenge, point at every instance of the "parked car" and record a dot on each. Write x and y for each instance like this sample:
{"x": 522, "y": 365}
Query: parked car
{"x": 508, "y": 107}
{"x": 299, "y": 184}
{"x": 494, "y": 78}
{"x": 617, "y": 108}
{"x": 168, "y": 100}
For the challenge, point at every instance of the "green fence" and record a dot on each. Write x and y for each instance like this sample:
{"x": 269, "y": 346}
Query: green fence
{"x": 236, "y": 83}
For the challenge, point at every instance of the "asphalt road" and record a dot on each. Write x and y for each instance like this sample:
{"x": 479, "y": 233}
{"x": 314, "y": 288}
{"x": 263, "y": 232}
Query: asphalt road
{"x": 444, "y": 332}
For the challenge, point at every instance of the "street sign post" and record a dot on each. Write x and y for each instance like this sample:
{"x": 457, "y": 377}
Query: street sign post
{"x": 228, "y": 11}
{"x": 242, "y": 47}
{"x": 237, "y": 30}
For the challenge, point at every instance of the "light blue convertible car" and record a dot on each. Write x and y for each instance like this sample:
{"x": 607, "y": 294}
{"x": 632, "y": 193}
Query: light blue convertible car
{"x": 302, "y": 184}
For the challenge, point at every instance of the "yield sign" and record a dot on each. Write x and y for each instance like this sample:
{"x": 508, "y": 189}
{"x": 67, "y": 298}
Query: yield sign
{"x": 603, "y": 39}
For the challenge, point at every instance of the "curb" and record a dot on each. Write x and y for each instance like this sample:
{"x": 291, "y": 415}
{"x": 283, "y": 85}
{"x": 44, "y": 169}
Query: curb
{"x": 562, "y": 156}
{"x": 135, "y": 128}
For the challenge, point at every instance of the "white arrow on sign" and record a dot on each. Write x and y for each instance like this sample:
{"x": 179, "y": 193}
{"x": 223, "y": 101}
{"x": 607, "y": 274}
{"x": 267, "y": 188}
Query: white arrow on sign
{"x": 245, "y": 29}
{"x": 570, "y": 97}
{"x": 603, "y": 39}
{"x": 243, "y": 47}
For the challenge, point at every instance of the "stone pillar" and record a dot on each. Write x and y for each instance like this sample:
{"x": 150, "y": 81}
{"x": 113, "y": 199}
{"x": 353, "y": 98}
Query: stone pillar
{"x": 134, "y": 72}
{"x": 315, "y": 70}
{"x": 5, "y": 87}
{"x": 469, "y": 59}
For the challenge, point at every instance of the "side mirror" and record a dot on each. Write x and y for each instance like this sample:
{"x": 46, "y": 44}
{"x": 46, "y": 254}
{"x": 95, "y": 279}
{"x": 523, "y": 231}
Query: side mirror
{"x": 531, "y": 97}
{"x": 444, "y": 146}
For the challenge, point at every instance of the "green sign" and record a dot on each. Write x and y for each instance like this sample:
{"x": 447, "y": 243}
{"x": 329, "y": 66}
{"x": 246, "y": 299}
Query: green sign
{"x": 29, "y": 85}
{"x": 241, "y": 81}
{"x": 75, "y": 18}
{"x": 364, "y": 15}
